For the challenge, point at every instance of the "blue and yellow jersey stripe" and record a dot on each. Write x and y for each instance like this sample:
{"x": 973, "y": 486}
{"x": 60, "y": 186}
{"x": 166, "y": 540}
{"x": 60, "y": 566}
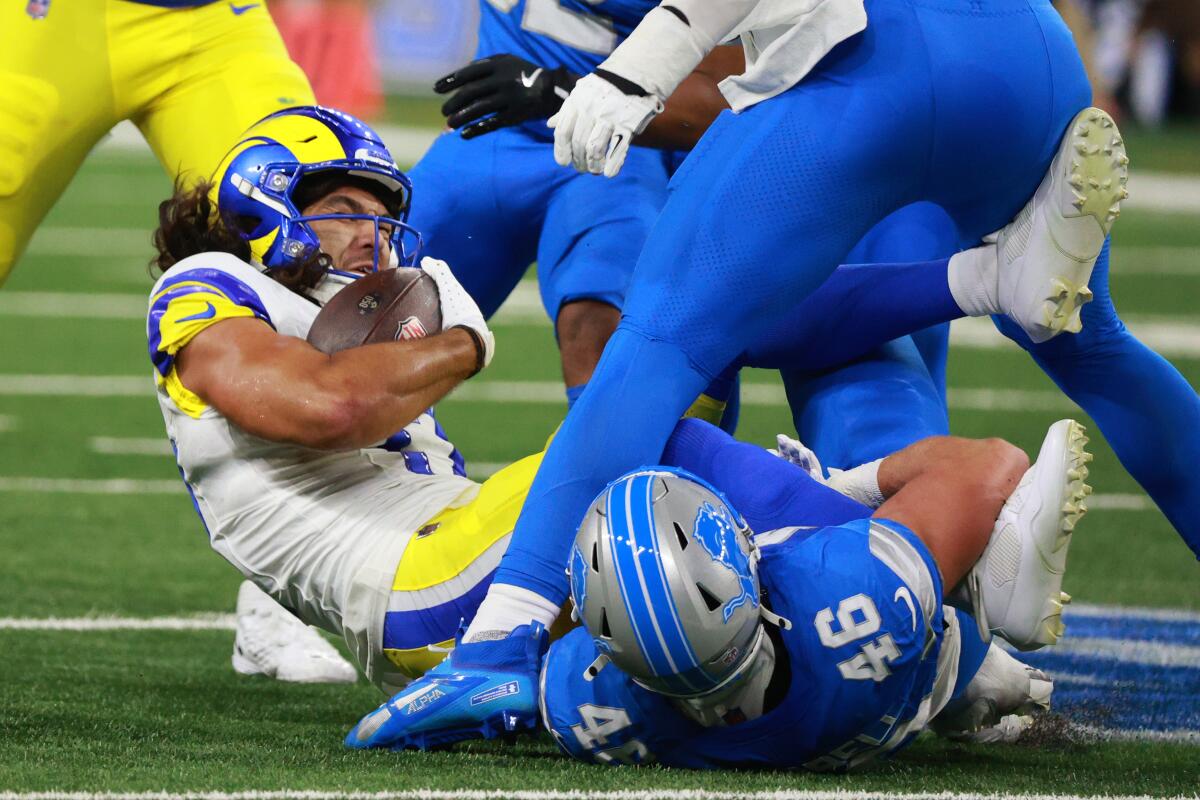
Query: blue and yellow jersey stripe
{"x": 185, "y": 305}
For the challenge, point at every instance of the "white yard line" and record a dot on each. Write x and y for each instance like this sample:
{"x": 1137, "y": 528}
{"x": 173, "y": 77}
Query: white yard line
{"x": 84, "y": 242}
{"x": 75, "y": 305}
{"x": 1152, "y": 191}
{"x": 130, "y": 446}
{"x": 482, "y": 470}
{"x": 116, "y": 486}
{"x": 477, "y": 470}
{"x": 1128, "y": 651}
{"x": 1166, "y": 260}
{"x": 1173, "y": 337}
{"x": 77, "y": 385}
{"x": 579, "y": 794}
{"x": 198, "y": 622}
{"x": 1133, "y": 612}
{"x": 218, "y": 620}
{"x": 1170, "y": 336}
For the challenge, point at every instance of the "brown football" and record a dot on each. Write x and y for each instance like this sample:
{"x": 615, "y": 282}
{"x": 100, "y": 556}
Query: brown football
{"x": 382, "y": 306}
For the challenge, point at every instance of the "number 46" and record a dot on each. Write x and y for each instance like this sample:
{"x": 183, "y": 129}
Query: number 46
{"x": 872, "y": 662}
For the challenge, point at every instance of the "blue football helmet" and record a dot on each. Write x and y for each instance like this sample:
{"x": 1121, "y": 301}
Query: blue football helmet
{"x": 664, "y": 576}
{"x": 256, "y": 185}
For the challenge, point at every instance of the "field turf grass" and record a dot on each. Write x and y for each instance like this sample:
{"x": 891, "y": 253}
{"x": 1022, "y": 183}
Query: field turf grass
{"x": 162, "y": 710}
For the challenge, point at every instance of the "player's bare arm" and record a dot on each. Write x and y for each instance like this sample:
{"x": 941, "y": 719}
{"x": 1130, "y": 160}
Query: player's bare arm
{"x": 283, "y": 389}
{"x": 693, "y": 106}
{"x": 949, "y": 491}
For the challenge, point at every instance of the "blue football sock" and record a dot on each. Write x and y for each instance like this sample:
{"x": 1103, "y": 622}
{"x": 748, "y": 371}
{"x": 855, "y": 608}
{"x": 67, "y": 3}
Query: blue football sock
{"x": 573, "y": 393}
{"x": 1146, "y": 410}
{"x": 871, "y": 303}
{"x": 768, "y": 491}
{"x": 974, "y": 651}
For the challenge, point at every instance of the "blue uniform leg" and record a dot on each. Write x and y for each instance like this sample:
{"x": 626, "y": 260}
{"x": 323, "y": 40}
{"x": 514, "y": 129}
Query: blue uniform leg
{"x": 1143, "y": 406}
{"x": 479, "y": 205}
{"x": 769, "y": 492}
{"x": 773, "y": 198}
{"x": 595, "y": 228}
{"x": 972, "y": 653}
{"x": 896, "y": 395}
{"x": 868, "y": 409}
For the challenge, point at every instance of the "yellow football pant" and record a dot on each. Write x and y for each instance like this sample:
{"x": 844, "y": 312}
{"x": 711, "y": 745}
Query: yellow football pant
{"x": 453, "y": 554}
{"x": 192, "y": 79}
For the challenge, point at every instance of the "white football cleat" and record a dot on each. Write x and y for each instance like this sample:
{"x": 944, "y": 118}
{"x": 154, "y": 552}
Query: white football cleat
{"x": 999, "y": 703}
{"x": 1047, "y": 253}
{"x": 271, "y": 641}
{"x": 1016, "y": 586}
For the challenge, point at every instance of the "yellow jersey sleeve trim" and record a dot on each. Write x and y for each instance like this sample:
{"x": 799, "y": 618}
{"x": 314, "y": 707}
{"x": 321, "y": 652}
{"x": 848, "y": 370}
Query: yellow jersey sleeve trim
{"x": 184, "y": 399}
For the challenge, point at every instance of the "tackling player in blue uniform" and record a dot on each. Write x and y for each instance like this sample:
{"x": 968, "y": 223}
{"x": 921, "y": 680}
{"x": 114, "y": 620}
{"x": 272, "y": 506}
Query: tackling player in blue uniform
{"x": 858, "y": 653}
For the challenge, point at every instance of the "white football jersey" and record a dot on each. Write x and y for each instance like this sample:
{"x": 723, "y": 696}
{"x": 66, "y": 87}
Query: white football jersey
{"x": 321, "y": 531}
{"x": 783, "y": 39}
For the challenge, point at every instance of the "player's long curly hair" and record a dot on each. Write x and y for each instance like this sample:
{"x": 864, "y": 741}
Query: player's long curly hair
{"x": 189, "y": 224}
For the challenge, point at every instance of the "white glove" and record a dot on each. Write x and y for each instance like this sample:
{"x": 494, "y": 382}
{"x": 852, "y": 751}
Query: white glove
{"x": 596, "y": 123}
{"x": 459, "y": 310}
{"x": 795, "y": 452}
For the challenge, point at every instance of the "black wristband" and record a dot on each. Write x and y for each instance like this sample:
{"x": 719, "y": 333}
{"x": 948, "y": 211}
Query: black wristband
{"x": 480, "y": 350}
{"x": 624, "y": 84}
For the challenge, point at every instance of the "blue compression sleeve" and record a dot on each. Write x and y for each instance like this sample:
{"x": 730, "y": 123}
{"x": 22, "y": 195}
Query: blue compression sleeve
{"x": 768, "y": 491}
{"x": 970, "y": 657}
{"x": 857, "y": 309}
{"x": 573, "y": 393}
{"x": 1146, "y": 410}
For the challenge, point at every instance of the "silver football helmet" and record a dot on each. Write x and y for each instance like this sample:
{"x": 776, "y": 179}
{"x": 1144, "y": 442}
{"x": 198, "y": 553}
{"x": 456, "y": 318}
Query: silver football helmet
{"x": 664, "y": 576}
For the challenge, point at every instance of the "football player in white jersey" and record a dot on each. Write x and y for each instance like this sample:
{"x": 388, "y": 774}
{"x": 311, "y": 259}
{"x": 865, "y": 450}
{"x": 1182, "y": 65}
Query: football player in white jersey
{"x": 326, "y": 480}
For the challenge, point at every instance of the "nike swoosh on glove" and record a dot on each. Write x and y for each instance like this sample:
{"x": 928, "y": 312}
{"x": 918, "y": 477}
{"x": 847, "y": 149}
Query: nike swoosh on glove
{"x": 500, "y": 91}
{"x": 597, "y": 122}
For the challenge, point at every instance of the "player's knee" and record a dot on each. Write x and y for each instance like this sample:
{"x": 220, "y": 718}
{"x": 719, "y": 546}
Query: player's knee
{"x": 1008, "y": 461}
{"x": 583, "y": 328}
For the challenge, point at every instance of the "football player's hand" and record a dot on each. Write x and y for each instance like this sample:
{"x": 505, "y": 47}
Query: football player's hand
{"x": 596, "y": 123}
{"x": 795, "y": 452}
{"x": 499, "y": 91}
{"x": 459, "y": 310}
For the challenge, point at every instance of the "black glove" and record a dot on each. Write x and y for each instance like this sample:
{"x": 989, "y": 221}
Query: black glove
{"x": 500, "y": 91}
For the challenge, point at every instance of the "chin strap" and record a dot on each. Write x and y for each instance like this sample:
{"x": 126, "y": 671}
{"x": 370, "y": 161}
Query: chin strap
{"x": 783, "y": 623}
{"x": 594, "y": 668}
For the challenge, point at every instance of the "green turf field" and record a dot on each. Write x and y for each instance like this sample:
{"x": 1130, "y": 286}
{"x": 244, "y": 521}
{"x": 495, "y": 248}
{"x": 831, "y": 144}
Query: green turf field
{"x": 93, "y": 522}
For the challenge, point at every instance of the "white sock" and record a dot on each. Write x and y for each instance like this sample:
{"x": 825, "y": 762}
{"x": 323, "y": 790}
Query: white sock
{"x": 860, "y": 483}
{"x": 506, "y": 607}
{"x": 974, "y": 283}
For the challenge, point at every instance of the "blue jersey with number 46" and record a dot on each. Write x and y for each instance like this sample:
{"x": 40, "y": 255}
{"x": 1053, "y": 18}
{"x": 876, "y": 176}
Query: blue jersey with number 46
{"x": 574, "y": 34}
{"x": 865, "y": 603}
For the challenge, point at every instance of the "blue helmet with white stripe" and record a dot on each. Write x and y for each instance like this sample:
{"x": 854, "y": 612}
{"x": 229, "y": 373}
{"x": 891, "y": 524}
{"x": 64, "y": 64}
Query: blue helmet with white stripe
{"x": 664, "y": 576}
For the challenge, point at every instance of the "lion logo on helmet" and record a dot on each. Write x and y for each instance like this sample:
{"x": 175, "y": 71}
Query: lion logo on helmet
{"x": 717, "y": 533}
